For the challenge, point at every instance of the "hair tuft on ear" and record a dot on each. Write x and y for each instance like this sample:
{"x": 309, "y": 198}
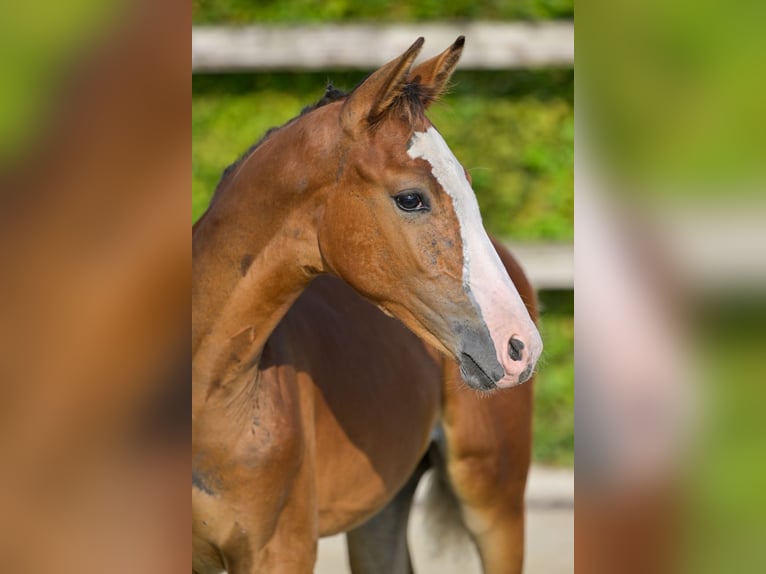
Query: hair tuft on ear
{"x": 434, "y": 74}
{"x": 375, "y": 95}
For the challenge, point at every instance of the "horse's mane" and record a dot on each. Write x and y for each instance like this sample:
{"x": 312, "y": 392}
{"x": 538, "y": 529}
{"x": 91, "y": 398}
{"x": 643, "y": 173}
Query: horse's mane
{"x": 332, "y": 94}
{"x": 410, "y": 106}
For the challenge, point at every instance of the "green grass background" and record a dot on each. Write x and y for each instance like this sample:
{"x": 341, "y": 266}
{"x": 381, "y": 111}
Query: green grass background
{"x": 38, "y": 41}
{"x": 280, "y": 11}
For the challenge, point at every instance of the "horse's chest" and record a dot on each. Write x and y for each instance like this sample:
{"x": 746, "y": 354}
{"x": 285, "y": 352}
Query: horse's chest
{"x": 255, "y": 436}
{"x": 246, "y": 456}
{"x": 367, "y": 446}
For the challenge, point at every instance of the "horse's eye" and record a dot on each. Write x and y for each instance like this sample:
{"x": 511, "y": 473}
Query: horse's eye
{"x": 410, "y": 201}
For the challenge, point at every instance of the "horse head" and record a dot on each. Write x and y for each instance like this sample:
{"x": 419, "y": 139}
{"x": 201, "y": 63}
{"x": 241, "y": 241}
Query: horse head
{"x": 401, "y": 224}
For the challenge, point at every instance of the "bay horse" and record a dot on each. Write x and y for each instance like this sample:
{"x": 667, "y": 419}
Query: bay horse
{"x": 313, "y": 413}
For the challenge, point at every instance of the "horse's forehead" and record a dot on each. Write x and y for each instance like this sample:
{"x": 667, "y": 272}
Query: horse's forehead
{"x": 385, "y": 149}
{"x": 448, "y": 171}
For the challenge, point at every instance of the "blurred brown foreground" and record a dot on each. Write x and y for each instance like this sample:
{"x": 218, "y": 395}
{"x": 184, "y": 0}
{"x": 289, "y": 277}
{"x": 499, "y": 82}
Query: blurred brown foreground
{"x": 94, "y": 299}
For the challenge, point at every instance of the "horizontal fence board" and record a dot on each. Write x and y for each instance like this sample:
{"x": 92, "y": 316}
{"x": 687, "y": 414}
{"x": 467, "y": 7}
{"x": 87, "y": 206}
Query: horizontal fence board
{"x": 489, "y": 45}
{"x": 548, "y": 265}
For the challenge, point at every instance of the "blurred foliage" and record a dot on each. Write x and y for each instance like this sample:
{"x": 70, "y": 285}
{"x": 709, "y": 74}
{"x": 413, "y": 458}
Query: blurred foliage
{"x": 272, "y": 11}
{"x": 38, "y": 40}
{"x": 553, "y": 441}
{"x": 672, "y": 95}
{"x": 514, "y": 132}
{"x": 727, "y": 501}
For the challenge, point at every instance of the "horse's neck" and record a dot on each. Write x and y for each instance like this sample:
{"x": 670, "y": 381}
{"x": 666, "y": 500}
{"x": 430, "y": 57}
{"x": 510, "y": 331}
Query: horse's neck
{"x": 250, "y": 263}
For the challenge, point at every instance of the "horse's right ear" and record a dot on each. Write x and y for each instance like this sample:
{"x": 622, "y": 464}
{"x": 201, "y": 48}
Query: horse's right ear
{"x": 376, "y": 94}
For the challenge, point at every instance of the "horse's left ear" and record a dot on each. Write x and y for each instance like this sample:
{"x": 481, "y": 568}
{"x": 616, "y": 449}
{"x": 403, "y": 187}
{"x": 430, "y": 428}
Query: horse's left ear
{"x": 434, "y": 74}
{"x": 375, "y": 95}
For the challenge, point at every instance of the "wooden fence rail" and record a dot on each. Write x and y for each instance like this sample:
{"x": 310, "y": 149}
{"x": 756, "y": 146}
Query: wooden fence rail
{"x": 548, "y": 265}
{"x": 489, "y": 45}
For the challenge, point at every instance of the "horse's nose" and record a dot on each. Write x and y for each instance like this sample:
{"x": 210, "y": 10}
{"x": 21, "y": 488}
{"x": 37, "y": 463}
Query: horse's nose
{"x": 515, "y": 347}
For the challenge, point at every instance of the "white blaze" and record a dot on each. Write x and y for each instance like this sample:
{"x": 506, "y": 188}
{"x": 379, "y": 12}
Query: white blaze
{"x": 484, "y": 277}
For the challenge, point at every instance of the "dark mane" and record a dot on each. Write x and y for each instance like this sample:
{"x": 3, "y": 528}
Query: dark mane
{"x": 410, "y": 106}
{"x": 332, "y": 94}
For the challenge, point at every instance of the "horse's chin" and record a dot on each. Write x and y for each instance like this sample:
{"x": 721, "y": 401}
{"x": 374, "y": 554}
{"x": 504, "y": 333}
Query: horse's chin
{"x": 476, "y": 376}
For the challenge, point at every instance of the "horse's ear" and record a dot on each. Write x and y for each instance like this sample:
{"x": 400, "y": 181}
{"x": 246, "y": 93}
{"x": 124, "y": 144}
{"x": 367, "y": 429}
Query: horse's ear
{"x": 434, "y": 74}
{"x": 374, "y": 96}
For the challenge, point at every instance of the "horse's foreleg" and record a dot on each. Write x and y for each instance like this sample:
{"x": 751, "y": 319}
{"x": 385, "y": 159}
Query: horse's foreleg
{"x": 379, "y": 546}
{"x": 274, "y": 529}
{"x": 499, "y": 535}
{"x": 292, "y": 549}
{"x": 283, "y": 555}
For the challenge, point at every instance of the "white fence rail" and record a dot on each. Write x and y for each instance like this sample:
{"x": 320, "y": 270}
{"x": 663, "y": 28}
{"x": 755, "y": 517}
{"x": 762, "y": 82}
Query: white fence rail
{"x": 548, "y": 265}
{"x": 489, "y": 45}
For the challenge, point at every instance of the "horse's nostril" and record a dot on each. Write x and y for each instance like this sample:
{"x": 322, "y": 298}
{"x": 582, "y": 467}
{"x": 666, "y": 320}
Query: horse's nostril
{"x": 515, "y": 347}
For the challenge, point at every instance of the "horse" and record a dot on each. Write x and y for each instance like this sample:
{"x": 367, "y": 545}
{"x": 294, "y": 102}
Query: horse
{"x": 315, "y": 413}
